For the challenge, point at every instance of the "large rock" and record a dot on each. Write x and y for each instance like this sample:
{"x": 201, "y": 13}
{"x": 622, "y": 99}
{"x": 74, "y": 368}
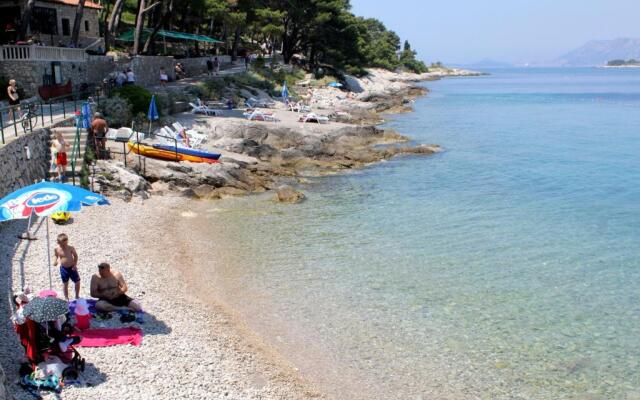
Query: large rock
{"x": 115, "y": 177}
{"x": 287, "y": 194}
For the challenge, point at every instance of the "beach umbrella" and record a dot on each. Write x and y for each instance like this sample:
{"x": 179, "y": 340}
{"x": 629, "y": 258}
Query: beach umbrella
{"x": 44, "y": 199}
{"x": 152, "y": 115}
{"x": 285, "y": 91}
{"x": 335, "y": 84}
{"x": 86, "y": 115}
{"x": 43, "y": 309}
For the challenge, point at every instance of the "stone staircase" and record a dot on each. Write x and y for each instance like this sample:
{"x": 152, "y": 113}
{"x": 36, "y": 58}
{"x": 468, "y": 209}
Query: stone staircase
{"x": 69, "y": 134}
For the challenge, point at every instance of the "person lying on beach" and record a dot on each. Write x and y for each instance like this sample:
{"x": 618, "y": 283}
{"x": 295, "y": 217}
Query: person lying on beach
{"x": 110, "y": 288}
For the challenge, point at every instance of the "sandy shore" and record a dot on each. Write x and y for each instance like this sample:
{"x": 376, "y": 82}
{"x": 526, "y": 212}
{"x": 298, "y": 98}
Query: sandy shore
{"x": 192, "y": 349}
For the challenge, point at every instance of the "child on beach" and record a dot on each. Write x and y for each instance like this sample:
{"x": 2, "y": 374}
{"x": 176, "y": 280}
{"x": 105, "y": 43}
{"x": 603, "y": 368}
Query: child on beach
{"x": 61, "y": 155}
{"x": 68, "y": 258}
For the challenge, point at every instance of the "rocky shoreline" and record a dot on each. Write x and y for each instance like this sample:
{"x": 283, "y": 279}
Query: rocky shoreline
{"x": 260, "y": 156}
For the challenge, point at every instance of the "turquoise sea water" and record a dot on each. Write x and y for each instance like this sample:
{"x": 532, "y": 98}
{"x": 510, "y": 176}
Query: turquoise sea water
{"x": 506, "y": 267}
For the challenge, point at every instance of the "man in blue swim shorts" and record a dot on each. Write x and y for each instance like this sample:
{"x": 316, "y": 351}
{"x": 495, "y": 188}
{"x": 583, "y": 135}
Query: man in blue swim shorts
{"x": 66, "y": 256}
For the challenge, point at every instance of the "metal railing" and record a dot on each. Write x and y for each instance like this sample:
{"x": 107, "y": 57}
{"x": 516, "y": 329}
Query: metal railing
{"x": 141, "y": 159}
{"x": 25, "y": 117}
{"x": 40, "y": 53}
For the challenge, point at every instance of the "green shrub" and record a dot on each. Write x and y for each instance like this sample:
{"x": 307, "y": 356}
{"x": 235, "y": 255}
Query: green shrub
{"x": 216, "y": 88}
{"x": 137, "y": 96}
{"x": 116, "y": 110}
{"x": 199, "y": 90}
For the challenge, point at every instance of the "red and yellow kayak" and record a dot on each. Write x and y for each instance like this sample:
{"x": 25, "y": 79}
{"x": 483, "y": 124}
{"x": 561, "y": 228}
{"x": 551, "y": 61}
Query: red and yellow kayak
{"x": 167, "y": 155}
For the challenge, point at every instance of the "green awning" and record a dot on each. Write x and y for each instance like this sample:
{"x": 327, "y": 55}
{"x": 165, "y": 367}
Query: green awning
{"x": 128, "y": 36}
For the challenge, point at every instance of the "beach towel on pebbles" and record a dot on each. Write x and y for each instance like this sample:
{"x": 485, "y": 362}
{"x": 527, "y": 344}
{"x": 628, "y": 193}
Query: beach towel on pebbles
{"x": 111, "y": 337}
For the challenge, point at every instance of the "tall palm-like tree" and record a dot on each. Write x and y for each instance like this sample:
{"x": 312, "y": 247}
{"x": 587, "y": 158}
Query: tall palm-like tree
{"x": 77, "y": 22}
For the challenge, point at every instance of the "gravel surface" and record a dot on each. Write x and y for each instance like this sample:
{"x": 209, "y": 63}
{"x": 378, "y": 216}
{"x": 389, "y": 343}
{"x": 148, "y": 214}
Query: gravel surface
{"x": 192, "y": 348}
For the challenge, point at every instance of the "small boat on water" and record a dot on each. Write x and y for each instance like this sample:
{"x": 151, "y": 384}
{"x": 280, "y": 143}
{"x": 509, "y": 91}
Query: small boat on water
{"x": 188, "y": 151}
{"x": 168, "y": 155}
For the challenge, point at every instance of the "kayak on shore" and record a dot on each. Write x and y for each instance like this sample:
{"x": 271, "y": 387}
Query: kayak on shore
{"x": 187, "y": 151}
{"x": 167, "y": 155}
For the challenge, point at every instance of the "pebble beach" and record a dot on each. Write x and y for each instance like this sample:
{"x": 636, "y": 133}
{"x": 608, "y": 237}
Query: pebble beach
{"x": 192, "y": 349}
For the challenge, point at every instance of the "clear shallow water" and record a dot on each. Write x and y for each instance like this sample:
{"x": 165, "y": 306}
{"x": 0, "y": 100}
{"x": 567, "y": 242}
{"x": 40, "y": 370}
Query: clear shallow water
{"x": 504, "y": 268}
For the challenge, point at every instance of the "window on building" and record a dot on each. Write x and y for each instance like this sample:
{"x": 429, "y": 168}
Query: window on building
{"x": 44, "y": 20}
{"x": 86, "y": 26}
{"x": 66, "y": 27}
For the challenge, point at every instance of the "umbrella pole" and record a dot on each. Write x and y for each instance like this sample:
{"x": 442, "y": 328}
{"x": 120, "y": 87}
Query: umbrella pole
{"x": 27, "y": 235}
{"x": 49, "y": 255}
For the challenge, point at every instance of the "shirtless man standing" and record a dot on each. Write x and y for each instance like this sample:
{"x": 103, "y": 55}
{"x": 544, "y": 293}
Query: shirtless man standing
{"x": 109, "y": 287}
{"x": 68, "y": 258}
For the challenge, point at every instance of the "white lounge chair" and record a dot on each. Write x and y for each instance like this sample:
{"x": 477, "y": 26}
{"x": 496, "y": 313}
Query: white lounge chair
{"x": 313, "y": 117}
{"x": 257, "y": 115}
{"x": 261, "y": 103}
{"x": 192, "y": 142}
{"x": 192, "y": 133}
{"x": 202, "y": 108}
{"x": 298, "y": 107}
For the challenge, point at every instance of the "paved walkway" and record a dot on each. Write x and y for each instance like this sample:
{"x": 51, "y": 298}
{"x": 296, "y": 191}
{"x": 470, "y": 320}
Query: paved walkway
{"x": 58, "y": 112}
{"x": 182, "y": 83}
{"x": 51, "y": 114}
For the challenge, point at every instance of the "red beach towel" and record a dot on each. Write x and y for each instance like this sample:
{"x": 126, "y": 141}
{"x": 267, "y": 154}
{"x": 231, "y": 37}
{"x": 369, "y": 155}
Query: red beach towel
{"x": 111, "y": 337}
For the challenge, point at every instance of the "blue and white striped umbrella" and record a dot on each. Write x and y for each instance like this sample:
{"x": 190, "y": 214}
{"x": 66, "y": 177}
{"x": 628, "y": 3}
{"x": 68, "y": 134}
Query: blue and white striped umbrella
{"x": 46, "y": 198}
{"x": 285, "y": 91}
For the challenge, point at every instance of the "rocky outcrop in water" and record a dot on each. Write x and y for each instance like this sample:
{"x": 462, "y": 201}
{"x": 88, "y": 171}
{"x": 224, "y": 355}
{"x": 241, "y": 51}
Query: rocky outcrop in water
{"x": 287, "y": 194}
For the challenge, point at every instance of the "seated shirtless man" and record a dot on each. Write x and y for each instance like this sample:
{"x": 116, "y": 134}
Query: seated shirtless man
{"x": 109, "y": 287}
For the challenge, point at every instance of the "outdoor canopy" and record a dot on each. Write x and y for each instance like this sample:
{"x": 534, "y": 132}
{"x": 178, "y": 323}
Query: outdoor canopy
{"x": 128, "y": 36}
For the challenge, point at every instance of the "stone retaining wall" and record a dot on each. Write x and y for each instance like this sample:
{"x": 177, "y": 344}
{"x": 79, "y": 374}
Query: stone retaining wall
{"x": 29, "y": 74}
{"x": 198, "y": 65}
{"x": 16, "y": 170}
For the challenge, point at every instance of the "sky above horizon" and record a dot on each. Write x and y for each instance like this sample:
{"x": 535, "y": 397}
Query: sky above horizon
{"x": 515, "y": 31}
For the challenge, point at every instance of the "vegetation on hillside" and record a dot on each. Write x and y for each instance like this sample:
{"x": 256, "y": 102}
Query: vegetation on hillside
{"x": 619, "y": 63}
{"x": 312, "y": 33}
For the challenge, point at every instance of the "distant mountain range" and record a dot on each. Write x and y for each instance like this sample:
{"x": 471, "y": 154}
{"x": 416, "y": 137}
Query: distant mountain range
{"x": 599, "y": 52}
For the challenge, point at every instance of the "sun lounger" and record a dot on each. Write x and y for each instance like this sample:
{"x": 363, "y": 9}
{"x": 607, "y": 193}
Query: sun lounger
{"x": 298, "y": 107}
{"x": 171, "y": 134}
{"x": 258, "y": 115}
{"x": 192, "y": 133}
{"x": 201, "y": 108}
{"x": 112, "y": 134}
{"x": 312, "y": 117}
{"x": 262, "y": 103}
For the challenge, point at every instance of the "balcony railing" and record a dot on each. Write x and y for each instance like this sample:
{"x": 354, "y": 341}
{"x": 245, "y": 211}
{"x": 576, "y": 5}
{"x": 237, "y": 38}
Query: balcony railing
{"x": 41, "y": 53}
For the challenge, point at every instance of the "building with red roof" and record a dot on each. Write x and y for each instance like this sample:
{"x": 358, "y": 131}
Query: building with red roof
{"x": 51, "y": 22}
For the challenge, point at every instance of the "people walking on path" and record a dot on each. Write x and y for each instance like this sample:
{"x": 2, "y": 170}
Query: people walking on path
{"x": 164, "y": 78}
{"x": 99, "y": 129}
{"x": 216, "y": 65}
{"x": 131, "y": 78}
{"x": 121, "y": 78}
{"x": 14, "y": 98}
{"x": 61, "y": 155}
